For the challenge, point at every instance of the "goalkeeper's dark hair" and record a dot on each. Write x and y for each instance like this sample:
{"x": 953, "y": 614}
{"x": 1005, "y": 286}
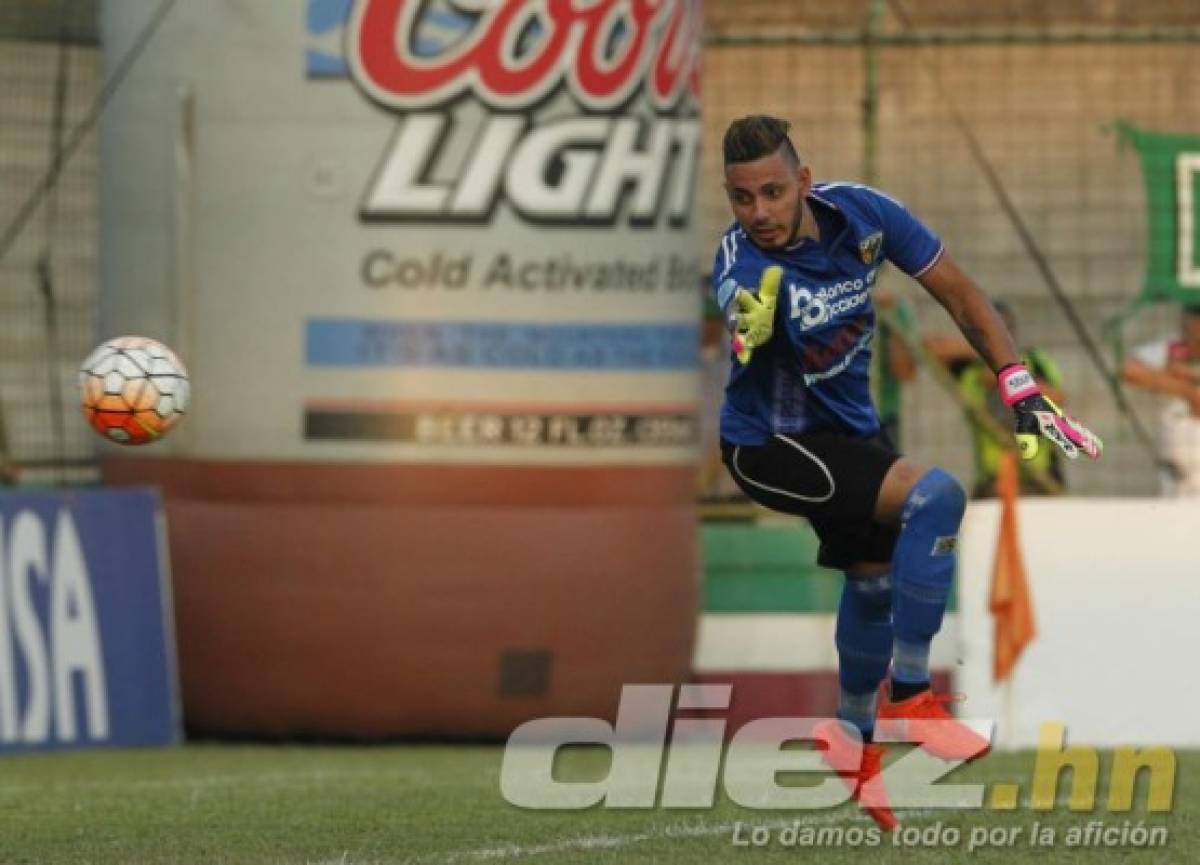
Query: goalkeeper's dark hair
{"x": 758, "y": 135}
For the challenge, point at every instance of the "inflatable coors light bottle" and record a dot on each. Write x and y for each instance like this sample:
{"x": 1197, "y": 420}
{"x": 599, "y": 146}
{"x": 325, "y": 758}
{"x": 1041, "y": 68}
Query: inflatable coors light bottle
{"x": 432, "y": 266}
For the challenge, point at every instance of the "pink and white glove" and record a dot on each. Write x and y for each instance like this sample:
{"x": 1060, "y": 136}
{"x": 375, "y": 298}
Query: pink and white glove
{"x": 1038, "y": 416}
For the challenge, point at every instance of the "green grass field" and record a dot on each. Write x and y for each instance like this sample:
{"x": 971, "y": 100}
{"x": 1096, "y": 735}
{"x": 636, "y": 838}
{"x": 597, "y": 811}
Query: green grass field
{"x": 441, "y": 804}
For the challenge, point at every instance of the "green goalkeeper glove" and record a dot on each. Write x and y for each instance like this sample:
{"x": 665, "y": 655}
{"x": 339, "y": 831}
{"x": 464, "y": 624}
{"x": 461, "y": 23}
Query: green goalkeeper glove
{"x": 754, "y": 322}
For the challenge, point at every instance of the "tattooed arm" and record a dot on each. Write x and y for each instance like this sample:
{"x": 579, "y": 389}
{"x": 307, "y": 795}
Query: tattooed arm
{"x": 972, "y": 312}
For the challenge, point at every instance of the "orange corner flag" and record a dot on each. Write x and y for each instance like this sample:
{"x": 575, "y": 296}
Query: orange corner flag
{"x": 1009, "y": 601}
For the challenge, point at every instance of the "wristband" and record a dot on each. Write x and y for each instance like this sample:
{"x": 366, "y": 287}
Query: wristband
{"x": 1016, "y": 383}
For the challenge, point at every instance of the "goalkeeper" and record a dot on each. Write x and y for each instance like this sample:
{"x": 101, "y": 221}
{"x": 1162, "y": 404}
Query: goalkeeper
{"x": 800, "y": 435}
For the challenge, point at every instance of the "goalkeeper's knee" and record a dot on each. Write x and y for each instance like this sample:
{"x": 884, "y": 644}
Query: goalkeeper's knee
{"x": 923, "y": 562}
{"x": 936, "y": 499}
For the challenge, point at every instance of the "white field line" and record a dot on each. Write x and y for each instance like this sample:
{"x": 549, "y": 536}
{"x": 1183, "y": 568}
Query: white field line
{"x": 694, "y": 829}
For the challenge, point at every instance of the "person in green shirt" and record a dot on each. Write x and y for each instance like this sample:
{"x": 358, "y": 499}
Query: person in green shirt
{"x": 977, "y": 386}
{"x": 892, "y": 365}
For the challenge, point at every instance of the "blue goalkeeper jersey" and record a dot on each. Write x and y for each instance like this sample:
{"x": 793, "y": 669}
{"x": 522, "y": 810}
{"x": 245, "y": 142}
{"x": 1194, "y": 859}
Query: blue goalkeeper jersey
{"x": 813, "y": 375}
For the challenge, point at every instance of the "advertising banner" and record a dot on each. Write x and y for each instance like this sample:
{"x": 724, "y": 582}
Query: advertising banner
{"x": 86, "y": 652}
{"x": 416, "y": 231}
{"x": 1171, "y": 170}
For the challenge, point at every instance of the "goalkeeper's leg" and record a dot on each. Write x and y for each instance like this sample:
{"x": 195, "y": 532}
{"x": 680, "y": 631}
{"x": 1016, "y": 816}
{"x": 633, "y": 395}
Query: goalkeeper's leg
{"x": 929, "y": 506}
{"x": 864, "y": 644}
{"x": 924, "y": 559}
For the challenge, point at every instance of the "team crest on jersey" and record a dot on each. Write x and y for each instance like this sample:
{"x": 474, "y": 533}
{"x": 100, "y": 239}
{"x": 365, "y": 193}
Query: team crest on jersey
{"x": 868, "y": 248}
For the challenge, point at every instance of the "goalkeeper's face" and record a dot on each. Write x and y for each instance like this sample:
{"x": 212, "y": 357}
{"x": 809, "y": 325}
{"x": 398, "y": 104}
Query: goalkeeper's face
{"x": 767, "y": 198}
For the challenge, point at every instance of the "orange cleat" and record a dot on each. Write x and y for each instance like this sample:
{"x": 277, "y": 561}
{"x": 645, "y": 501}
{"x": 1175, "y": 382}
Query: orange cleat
{"x": 924, "y": 719}
{"x": 866, "y": 782}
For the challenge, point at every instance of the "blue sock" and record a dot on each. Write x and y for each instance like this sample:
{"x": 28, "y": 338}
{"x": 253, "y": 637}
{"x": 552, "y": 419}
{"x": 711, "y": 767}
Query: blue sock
{"x": 864, "y": 644}
{"x": 923, "y": 564}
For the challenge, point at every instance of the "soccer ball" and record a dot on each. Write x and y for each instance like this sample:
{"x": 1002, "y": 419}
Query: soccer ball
{"x": 134, "y": 390}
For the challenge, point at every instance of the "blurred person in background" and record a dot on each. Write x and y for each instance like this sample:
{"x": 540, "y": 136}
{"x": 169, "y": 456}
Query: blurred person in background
{"x": 893, "y": 365}
{"x": 977, "y": 388}
{"x": 716, "y": 486}
{"x": 8, "y": 469}
{"x": 1171, "y": 367}
{"x": 794, "y": 275}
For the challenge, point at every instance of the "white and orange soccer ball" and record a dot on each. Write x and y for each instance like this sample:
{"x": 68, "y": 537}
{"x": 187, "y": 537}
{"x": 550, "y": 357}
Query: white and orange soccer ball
{"x": 134, "y": 390}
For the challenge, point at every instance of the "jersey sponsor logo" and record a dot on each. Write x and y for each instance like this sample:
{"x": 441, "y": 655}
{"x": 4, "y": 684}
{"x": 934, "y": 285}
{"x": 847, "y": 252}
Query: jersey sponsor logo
{"x": 814, "y": 307}
{"x": 591, "y": 165}
{"x": 811, "y": 378}
{"x": 825, "y": 354}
